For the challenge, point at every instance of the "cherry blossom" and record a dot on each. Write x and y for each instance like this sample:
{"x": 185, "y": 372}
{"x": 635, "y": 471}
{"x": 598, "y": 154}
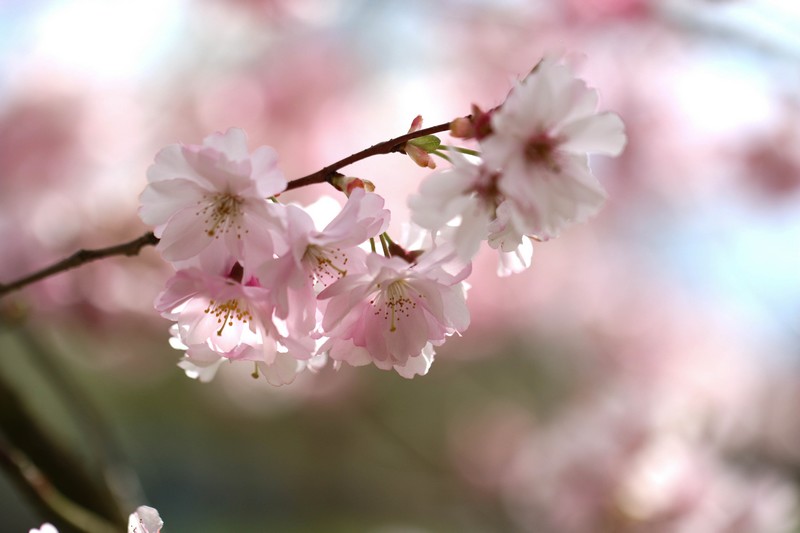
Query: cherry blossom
{"x": 466, "y": 193}
{"x": 145, "y": 520}
{"x": 316, "y": 258}
{"x": 465, "y": 206}
{"x": 218, "y": 317}
{"x": 209, "y": 201}
{"x": 540, "y": 139}
{"x": 393, "y": 311}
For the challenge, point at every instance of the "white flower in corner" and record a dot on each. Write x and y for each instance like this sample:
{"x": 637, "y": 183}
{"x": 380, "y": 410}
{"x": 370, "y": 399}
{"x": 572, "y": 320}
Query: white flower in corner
{"x": 145, "y": 520}
{"x": 44, "y": 528}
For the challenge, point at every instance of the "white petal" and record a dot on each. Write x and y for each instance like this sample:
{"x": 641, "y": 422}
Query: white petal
{"x": 417, "y": 366}
{"x": 597, "y": 134}
{"x": 282, "y": 371}
{"x": 171, "y": 164}
{"x": 232, "y": 143}
{"x": 184, "y": 236}
{"x": 268, "y": 178}
{"x": 145, "y": 520}
{"x": 162, "y": 199}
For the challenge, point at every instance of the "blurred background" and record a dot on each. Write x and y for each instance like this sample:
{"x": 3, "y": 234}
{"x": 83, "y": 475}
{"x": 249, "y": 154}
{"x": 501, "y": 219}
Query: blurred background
{"x": 642, "y": 376}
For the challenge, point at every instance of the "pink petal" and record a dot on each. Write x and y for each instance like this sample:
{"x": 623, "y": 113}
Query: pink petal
{"x": 184, "y": 236}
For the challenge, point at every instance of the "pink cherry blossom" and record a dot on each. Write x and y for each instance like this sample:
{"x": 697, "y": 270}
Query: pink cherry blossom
{"x": 218, "y": 317}
{"x": 393, "y": 311}
{"x": 209, "y": 200}
{"x": 541, "y": 137}
{"x": 345, "y": 351}
{"x": 316, "y": 258}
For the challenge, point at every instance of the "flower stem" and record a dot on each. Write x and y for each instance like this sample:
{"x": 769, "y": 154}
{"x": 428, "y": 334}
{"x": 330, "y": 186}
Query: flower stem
{"x": 461, "y": 150}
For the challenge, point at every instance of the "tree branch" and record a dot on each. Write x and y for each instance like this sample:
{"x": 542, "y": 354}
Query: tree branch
{"x": 47, "y": 467}
{"x": 386, "y": 147}
{"x": 56, "y": 507}
{"x": 81, "y": 257}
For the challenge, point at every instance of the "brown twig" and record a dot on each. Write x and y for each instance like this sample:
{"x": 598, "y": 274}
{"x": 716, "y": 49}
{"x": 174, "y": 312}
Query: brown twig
{"x": 386, "y": 147}
{"x": 81, "y": 257}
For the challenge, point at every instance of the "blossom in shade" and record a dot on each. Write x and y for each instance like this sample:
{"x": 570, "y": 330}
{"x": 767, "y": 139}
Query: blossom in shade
{"x": 515, "y": 250}
{"x": 208, "y": 201}
{"x": 393, "y": 311}
{"x": 465, "y": 197}
{"x": 219, "y": 317}
{"x": 145, "y": 520}
{"x": 540, "y": 140}
{"x": 346, "y": 351}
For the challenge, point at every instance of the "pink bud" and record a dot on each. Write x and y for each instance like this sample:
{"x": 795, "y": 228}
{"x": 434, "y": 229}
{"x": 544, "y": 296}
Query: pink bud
{"x": 416, "y": 124}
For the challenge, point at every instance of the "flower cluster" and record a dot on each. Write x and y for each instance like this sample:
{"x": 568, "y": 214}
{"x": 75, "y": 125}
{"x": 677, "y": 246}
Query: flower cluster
{"x": 533, "y": 177}
{"x": 257, "y": 280}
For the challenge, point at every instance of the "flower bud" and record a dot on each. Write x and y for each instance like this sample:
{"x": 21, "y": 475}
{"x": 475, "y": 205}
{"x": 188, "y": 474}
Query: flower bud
{"x": 347, "y": 184}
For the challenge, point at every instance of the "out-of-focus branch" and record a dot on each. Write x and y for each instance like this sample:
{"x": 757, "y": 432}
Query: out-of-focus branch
{"x": 59, "y": 509}
{"x": 103, "y": 450}
{"x": 81, "y": 257}
{"x": 61, "y": 471}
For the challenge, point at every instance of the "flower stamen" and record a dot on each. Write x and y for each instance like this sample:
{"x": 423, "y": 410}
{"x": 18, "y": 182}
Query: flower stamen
{"x": 228, "y": 312}
{"x": 323, "y": 262}
{"x": 222, "y": 211}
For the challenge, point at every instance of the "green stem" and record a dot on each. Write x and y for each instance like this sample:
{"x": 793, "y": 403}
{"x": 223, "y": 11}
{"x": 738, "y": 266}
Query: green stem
{"x": 442, "y": 155}
{"x": 385, "y": 244}
{"x": 461, "y": 150}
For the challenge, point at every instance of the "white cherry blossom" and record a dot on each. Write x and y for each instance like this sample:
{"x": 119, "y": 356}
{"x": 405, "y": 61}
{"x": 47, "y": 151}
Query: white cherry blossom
{"x": 540, "y": 140}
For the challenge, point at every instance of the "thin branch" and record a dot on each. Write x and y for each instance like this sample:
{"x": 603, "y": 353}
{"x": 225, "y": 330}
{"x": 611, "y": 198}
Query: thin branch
{"x": 81, "y": 257}
{"x": 57, "y": 507}
{"x": 386, "y": 147}
{"x": 102, "y": 446}
{"x": 46, "y": 459}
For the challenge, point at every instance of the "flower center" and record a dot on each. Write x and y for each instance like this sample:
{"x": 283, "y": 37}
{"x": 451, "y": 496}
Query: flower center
{"x": 487, "y": 191}
{"x": 540, "y": 150}
{"x": 222, "y": 213}
{"x": 393, "y": 303}
{"x": 326, "y": 264}
{"x": 228, "y": 312}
